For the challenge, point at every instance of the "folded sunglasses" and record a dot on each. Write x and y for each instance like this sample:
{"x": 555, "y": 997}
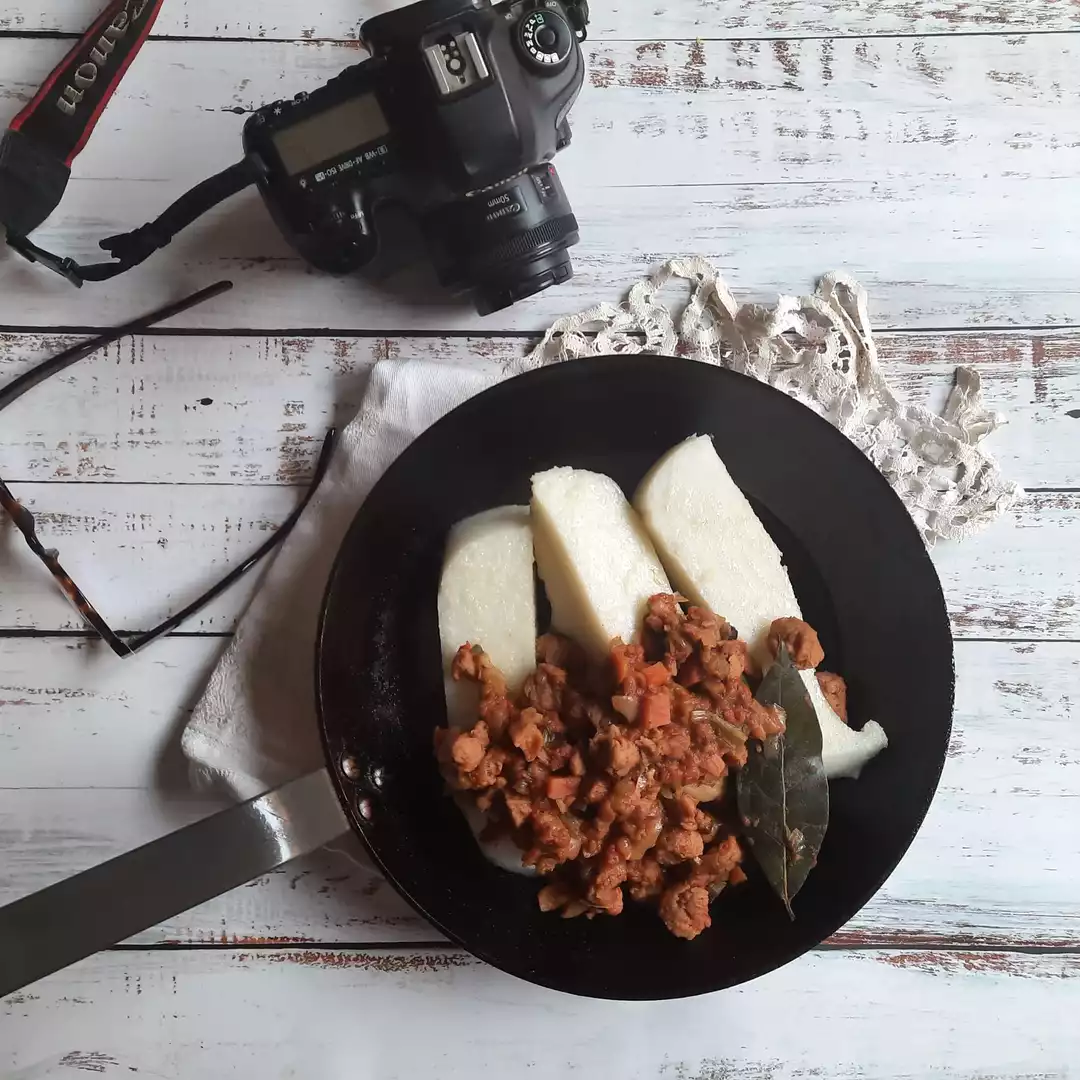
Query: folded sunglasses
{"x": 23, "y": 519}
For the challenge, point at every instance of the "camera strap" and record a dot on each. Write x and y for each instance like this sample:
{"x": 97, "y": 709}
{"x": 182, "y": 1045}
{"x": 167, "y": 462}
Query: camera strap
{"x": 131, "y": 248}
{"x": 39, "y": 146}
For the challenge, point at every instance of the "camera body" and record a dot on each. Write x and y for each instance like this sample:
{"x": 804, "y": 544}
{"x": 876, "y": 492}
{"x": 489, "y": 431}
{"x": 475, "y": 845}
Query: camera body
{"x": 455, "y": 117}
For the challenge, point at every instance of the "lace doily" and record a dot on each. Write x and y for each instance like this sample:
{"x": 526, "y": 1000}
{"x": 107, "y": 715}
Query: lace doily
{"x": 821, "y": 350}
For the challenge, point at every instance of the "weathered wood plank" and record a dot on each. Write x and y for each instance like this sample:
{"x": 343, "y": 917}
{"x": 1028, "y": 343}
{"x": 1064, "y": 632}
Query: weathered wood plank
{"x": 933, "y": 254}
{"x": 857, "y": 109}
{"x": 330, "y": 896}
{"x": 100, "y": 739}
{"x": 219, "y": 1013}
{"x": 1011, "y": 582}
{"x": 620, "y": 18}
{"x": 138, "y": 553}
{"x": 253, "y": 409}
{"x": 89, "y": 768}
{"x": 694, "y": 112}
{"x": 143, "y": 552}
{"x": 940, "y": 170}
{"x": 1030, "y": 378}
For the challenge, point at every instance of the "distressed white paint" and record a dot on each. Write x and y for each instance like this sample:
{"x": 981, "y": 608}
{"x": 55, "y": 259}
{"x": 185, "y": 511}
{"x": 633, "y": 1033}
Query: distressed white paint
{"x": 248, "y": 413}
{"x": 933, "y": 253}
{"x": 138, "y": 553}
{"x": 405, "y": 1014}
{"x": 89, "y": 768}
{"x": 617, "y": 18}
{"x": 252, "y": 410}
{"x": 665, "y": 111}
{"x": 142, "y": 552}
{"x": 940, "y": 170}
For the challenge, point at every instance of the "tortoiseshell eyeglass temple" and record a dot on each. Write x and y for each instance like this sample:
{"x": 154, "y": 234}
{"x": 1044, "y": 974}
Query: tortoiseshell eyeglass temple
{"x": 23, "y": 519}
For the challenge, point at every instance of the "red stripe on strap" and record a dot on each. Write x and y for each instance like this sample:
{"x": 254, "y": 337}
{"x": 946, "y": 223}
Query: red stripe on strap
{"x": 95, "y": 116}
{"x": 106, "y": 17}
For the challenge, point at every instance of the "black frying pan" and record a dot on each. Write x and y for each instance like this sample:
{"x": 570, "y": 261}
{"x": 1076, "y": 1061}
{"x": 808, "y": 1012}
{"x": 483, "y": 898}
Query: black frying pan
{"x": 864, "y": 581}
{"x": 860, "y": 570}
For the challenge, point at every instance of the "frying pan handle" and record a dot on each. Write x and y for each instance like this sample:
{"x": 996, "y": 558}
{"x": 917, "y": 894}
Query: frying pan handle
{"x": 48, "y": 930}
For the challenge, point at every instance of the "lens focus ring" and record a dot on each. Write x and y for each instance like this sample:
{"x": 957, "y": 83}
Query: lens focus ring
{"x": 552, "y": 231}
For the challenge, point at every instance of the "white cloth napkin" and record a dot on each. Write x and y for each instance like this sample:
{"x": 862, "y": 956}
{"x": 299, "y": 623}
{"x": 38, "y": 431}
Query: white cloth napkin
{"x": 255, "y": 727}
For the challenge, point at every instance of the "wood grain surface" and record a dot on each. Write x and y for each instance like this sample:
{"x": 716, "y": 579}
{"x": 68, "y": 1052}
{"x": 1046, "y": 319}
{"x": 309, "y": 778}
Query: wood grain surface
{"x": 402, "y": 1013}
{"x": 940, "y": 170}
{"x": 617, "y": 19}
{"x": 144, "y": 550}
{"x": 140, "y": 472}
{"x": 252, "y": 409}
{"x": 932, "y": 147}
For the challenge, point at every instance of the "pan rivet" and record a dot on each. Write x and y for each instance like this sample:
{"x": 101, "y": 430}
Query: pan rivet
{"x": 364, "y": 807}
{"x": 377, "y": 776}
{"x": 349, "y": 768}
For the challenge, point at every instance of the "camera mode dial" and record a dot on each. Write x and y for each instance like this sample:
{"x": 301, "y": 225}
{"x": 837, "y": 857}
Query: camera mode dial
{"x": 545, "y": 40}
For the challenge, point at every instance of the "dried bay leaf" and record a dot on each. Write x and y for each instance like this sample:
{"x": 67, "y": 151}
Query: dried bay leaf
{"x": 782, "y": 789}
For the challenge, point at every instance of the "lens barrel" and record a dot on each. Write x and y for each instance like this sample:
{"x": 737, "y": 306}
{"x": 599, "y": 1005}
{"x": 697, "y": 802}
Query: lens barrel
{"x": 506, "y": 242}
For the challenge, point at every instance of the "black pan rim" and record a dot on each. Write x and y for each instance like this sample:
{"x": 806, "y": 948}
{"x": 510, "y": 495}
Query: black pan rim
{"x": 491, "y": 398}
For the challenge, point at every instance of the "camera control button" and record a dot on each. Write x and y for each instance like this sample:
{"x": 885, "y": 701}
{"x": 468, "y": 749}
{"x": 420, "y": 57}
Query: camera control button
{"x": 545, "y": 183}
{"x": 544, "y": 40}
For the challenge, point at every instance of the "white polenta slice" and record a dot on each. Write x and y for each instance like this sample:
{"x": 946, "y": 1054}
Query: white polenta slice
{"x": 720, "y": 556}
{"x": 501, "y": 851}
{"x": 487, "y": 597}
{"x": 596, "y": 561}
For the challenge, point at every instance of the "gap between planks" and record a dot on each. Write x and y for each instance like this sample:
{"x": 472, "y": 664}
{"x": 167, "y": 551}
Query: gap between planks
{"x": 88, "y": 635}
{"x": 76, "y": 482}
{"x": 764, "y": 19}
{"x": 879, "y": 329}
{"x": 840, "y": 942}
{"x": 780, "y": 35}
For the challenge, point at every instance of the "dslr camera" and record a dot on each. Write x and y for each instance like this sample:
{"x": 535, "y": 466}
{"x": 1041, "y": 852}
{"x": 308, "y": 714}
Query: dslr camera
{"x": 455, "y": 118}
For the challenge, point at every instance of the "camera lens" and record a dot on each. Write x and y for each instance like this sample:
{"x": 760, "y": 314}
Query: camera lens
{"x": 506, "y": 242}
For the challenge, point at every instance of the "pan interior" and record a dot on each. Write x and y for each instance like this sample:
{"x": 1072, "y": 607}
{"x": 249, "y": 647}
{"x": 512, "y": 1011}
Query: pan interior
{"x": 859, "y": 568}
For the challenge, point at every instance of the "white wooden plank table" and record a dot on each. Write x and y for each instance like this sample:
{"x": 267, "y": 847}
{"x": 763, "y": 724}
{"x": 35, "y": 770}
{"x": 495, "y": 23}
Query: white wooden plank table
{"x": 930, "y": 146}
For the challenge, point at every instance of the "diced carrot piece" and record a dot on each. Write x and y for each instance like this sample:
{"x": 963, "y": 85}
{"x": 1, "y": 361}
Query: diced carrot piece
{"x": 520, "y": 807}
{"x": 562, "y": 787}
{"x": 621, "y": 662}
{"x": 656, "y": 675}
{"x": 655, "y": 710}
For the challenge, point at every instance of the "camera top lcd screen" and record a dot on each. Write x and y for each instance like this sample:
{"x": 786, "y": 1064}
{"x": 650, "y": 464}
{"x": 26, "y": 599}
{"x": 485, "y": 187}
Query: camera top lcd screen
{"x": 330, "y": 134}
